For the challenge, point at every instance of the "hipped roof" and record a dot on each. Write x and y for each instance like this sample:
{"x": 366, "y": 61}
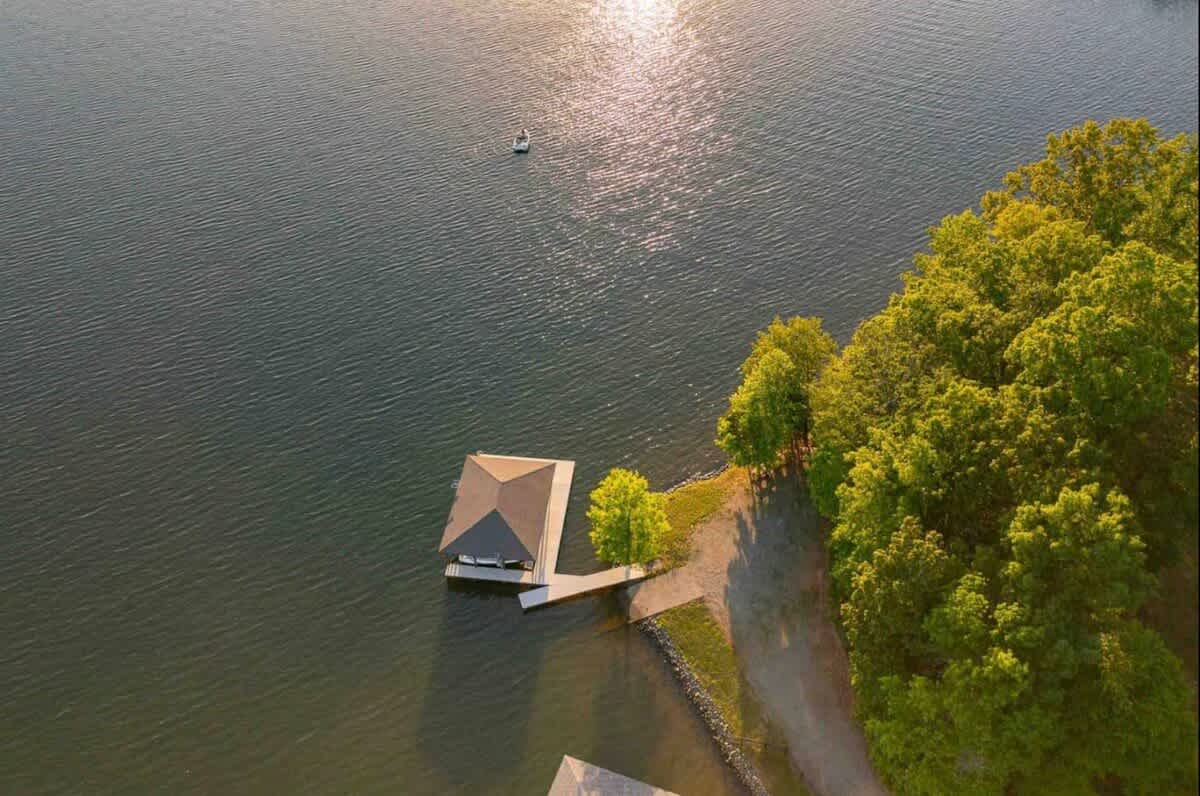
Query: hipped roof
{"x": 578, "y": 778}
{"x": 499, "y": 507}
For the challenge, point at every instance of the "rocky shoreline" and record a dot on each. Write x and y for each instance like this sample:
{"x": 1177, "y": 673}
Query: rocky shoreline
{"x": 691, "y": 479}
{"x": 699, "y": 697}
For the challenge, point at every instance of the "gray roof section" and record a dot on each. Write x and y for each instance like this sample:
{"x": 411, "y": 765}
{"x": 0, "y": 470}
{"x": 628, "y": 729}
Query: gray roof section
{"x": 499, "y": 507}
{"x": 577, "y": 778}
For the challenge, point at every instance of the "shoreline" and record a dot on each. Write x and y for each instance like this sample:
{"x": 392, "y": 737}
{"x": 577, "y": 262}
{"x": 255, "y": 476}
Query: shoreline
{"x": 697, "y": 478}
{"x": 759, "y": 558}
{"x": 701, "y": 661}
{"x": 702, "y": 701}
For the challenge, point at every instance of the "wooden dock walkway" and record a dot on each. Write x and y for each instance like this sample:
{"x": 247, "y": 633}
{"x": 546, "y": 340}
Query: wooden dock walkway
{"x": 563, "y": 587}
{"x": 556, "y": 516}
{"x": 494, "y": 574}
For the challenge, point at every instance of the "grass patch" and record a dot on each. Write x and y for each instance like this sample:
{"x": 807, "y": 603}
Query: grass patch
{"x": 689, "y": 505}
{"x": 702, "y": 643}
{"x": 713, "y": 661}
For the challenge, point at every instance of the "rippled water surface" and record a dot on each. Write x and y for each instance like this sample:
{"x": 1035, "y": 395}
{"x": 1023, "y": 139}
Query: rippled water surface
{"x": 268, "y": 271}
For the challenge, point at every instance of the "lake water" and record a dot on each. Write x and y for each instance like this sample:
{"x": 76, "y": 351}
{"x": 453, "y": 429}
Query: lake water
{"x": 268, "y": 271}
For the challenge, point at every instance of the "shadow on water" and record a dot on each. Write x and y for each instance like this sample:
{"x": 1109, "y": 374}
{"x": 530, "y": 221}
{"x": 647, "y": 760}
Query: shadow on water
{"x": 609, "y": 749}
{"x": 663, "y": 740}
{"x": 475, "y": 717}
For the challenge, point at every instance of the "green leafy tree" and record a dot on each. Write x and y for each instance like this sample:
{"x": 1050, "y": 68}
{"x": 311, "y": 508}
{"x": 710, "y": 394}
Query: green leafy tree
{"x": 809, "y": 348}
{"x": 1121, "y": 179}
{"x": 1069, "y": 594}
{"x": 1009, "y": 453}
{"x": 1077, "y": 563}
{"x": 758, "y": 423}
{"x": 1115, "y": 346}
{"x": 889, "y": 598}
{"x": 1142, "y": 701}
{"x": 628, "y": 520}
{"x": 966, "y": 732}
{"x": 946, "y": 467}
{"x": 878, "y": 376}
{"x": 806, "y": 344}
{"x": 826, "y": 472}
{"x": 960, "y": 627}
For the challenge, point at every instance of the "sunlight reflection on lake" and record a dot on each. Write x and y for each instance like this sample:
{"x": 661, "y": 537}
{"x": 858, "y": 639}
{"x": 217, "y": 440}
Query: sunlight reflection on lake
{"x": 638, "y": 97}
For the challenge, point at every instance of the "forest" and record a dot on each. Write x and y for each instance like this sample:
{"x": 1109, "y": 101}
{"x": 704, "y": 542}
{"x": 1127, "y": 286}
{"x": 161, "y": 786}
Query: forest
{"x": 1007, "y": 457}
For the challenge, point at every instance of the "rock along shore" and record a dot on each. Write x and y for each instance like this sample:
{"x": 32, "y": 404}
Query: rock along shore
{"x": 699, "y": 697}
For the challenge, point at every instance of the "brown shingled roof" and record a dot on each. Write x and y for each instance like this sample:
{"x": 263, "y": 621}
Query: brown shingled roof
{"x": 578, "y": 778}
{"x": 499, "y": 507}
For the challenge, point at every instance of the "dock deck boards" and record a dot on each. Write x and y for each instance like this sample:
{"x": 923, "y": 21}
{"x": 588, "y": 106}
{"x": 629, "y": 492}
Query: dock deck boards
{"x": 494, "y": 574}
{"x": 562, "y": 587}
{"x": 556, "y": 516}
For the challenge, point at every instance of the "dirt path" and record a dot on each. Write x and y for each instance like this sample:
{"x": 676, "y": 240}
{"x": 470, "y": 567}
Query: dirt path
{"x": 655, "y": 595}
{"x": 762, "y": 566}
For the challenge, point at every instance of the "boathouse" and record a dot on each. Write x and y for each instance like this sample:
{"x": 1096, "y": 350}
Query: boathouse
{"x": 577, "y": 778}
{"x": 508, "y": 513}
{"x": 506, "y": 526}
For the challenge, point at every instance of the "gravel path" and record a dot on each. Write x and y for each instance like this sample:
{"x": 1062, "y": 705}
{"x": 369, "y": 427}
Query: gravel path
{"x": 762, "y": 566}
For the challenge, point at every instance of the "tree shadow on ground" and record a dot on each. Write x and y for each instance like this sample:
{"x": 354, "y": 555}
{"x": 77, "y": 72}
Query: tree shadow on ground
{"x": 780, "y": 619}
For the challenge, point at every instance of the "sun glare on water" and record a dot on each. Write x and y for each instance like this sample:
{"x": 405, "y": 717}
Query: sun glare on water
{"x": 641, "y": 20}
{"x": 640, "y": 114}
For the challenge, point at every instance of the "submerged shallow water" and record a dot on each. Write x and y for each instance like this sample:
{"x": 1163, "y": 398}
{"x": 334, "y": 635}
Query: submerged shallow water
{"x": 269, "y": 271}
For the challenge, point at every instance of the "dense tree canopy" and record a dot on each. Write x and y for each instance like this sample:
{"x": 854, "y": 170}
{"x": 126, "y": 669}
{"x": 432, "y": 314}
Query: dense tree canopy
{"x": 770, "y": 411}
{"x": 628, "y": 520}
{"x": 1009, "y": 454}
{"x": 758, "y": 422}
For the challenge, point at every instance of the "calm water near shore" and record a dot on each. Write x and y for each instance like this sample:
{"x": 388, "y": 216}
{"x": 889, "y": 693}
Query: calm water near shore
{"x": 268, "y": 271}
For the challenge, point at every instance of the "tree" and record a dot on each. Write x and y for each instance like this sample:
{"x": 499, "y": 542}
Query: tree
{"x": 826, "y": 471}
{"x": 1069, "y": 596}
{"x": 890, "y": 596}
{"x": 809, "y": 348}
{"x": 628, "y": 520}
{"x": 758, "y": 423}
{"x": 874, "y": 380}
{"x": 966, "y": 732}
{"x": 1141, "y": 699}
{"x": 1079, "y": 558}
{"x": 1116, "y": 344}
{"x": 771, "y": 409}
{"x": 1121, "y": 179}
{"x": 1009, "y": 452}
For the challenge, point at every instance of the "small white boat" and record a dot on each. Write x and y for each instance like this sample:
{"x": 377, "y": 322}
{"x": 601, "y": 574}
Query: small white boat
{"x": 521, "y": 142}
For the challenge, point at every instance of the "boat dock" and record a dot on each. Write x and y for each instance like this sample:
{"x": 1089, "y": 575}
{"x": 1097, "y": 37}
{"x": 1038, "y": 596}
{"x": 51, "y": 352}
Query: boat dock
{"x": 538, "y": 493}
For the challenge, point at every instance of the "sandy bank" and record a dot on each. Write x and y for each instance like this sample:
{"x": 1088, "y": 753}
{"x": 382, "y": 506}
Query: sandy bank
{"x": 762, "y": 567}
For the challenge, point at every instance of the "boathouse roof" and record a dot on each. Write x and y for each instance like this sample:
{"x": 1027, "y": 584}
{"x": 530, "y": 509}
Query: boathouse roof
{"x": 577, "y": 778}
{"x": 500, "y": 507}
